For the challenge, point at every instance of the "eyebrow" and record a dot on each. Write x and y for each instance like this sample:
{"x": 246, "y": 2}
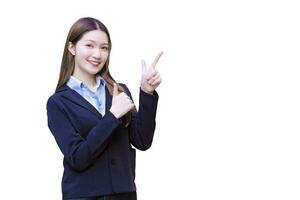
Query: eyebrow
{"x": 96, "y": 42}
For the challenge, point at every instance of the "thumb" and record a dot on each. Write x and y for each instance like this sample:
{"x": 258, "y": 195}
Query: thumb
{"x": 115, "y": 91}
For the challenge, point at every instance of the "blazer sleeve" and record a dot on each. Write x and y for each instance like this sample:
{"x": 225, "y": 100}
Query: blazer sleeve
{"x": 142, "y": 126}
{"x": 79, "y": 152}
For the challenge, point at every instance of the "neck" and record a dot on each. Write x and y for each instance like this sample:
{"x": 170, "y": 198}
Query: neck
{"x": 88, "y": 79}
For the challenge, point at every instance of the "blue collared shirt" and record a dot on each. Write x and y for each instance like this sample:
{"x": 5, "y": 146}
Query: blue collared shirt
{"x": 95, "y": 96}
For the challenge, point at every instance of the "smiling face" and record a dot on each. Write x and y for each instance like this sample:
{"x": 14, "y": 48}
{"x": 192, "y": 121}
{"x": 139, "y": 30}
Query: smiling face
{"x": 90, "y": 52}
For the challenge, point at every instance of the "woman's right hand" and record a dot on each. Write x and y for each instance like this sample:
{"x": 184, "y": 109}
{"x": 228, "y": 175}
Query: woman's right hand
{"x": 121, "y": 103}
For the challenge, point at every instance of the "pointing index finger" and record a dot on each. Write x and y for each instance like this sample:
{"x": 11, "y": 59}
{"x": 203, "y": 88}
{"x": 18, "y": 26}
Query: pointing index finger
{"x": 156, "y": 59}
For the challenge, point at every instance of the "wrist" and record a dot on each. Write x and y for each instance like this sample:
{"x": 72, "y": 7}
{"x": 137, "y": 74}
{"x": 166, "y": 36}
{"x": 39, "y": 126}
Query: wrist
{"x": 148, "y": 92}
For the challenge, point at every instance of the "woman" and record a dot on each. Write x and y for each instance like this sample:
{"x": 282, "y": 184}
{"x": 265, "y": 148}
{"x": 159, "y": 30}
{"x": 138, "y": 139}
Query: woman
{"x": 94, "y": 120}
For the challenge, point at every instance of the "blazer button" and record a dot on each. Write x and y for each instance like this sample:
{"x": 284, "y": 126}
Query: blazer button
{"x": 113, "y": 162}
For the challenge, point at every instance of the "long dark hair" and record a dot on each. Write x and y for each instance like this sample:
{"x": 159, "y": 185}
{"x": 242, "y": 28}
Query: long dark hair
{"x": 77, "y": 30}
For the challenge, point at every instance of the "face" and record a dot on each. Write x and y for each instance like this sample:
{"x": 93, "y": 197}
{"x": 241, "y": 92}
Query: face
{"x": 90, "y": 52}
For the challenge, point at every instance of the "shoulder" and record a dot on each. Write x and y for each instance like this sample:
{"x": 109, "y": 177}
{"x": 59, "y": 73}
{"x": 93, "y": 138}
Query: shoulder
{"x": 55, "y": 98}
{"x": 53, "y": 101}
{"x": 124, "y": 86}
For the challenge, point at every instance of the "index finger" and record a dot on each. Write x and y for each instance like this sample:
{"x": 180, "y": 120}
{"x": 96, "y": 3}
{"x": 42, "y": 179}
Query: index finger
{"x": 156, "y": 59}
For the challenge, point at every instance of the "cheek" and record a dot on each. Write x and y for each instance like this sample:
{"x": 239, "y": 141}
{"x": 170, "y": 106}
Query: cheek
{"x": 80, "y": 58}
{"x": 85, "y": 53}
{"x": 82, "y": 52}
{"x": 105, "y": 55}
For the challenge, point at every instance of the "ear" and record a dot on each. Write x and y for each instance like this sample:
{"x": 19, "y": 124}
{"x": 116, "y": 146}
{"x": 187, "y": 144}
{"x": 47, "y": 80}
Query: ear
{"x": 71, "y": 48}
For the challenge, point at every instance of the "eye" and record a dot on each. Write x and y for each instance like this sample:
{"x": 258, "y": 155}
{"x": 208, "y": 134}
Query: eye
{"x": 89, "y": 45}
{"x": 104, "y": 48}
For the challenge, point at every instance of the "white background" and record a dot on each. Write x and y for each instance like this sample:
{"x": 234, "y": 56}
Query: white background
{"x": 228, "y": 115}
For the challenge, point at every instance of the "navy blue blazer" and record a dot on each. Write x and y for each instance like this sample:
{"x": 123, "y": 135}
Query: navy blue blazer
{"x": 98, "y": 156}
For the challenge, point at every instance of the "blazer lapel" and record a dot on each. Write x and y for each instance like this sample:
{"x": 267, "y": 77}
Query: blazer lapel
{"x": 78, "y": 99}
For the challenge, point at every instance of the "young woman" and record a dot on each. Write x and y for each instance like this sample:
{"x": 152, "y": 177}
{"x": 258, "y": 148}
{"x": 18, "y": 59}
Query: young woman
{"x": 94, "y": 120}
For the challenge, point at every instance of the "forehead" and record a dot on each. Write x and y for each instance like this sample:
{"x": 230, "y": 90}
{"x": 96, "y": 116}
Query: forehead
{"x": 97, "y": 36}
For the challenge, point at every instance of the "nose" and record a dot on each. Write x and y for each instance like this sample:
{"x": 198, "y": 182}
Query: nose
{"x": 97, "y": 53}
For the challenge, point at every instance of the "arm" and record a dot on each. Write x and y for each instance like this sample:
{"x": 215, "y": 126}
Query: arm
{"x": 142, "y": 126}
{"x": 79, "y": 152}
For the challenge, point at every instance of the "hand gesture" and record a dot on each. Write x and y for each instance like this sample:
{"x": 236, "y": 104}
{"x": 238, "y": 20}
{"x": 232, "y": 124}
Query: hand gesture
{"x": 150, "y": 77}
{"x": 121, "y": 103}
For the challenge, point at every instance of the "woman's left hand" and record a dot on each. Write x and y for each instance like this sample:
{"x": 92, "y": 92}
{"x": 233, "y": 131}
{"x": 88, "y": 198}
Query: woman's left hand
{"x": 150, "y": 77}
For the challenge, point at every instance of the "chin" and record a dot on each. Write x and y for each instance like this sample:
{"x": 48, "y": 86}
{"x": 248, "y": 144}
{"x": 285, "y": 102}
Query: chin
{"x": 94, "y": 71}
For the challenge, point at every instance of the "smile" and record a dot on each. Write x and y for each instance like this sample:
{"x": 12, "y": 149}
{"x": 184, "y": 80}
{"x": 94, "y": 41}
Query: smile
{"x": 94, "y": 63}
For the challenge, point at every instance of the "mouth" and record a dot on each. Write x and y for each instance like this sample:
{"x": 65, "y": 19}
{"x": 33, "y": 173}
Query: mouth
{"x": 94, "y": 63}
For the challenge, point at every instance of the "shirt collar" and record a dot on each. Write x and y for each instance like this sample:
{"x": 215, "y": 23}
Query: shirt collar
{"x": 100, "y": 81}
{"x": 75, "y": 83}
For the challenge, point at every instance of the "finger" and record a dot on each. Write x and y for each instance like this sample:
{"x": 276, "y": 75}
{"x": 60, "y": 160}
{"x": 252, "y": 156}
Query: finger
{"x": 131, "y": 103}
{"x": 132, "y": 106}
{"x": 151, "y": 74}
{"x": 128, "y": 98}
{"x": 144, "y": 68}
{"x": 125, "y": 95}
{"x": 115, "y": 90}
{"x": 122, "y": 95}
{"x": 154, "y": 78}
{"x": 156, "y": 59}
{"x": 156, "y": 82}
